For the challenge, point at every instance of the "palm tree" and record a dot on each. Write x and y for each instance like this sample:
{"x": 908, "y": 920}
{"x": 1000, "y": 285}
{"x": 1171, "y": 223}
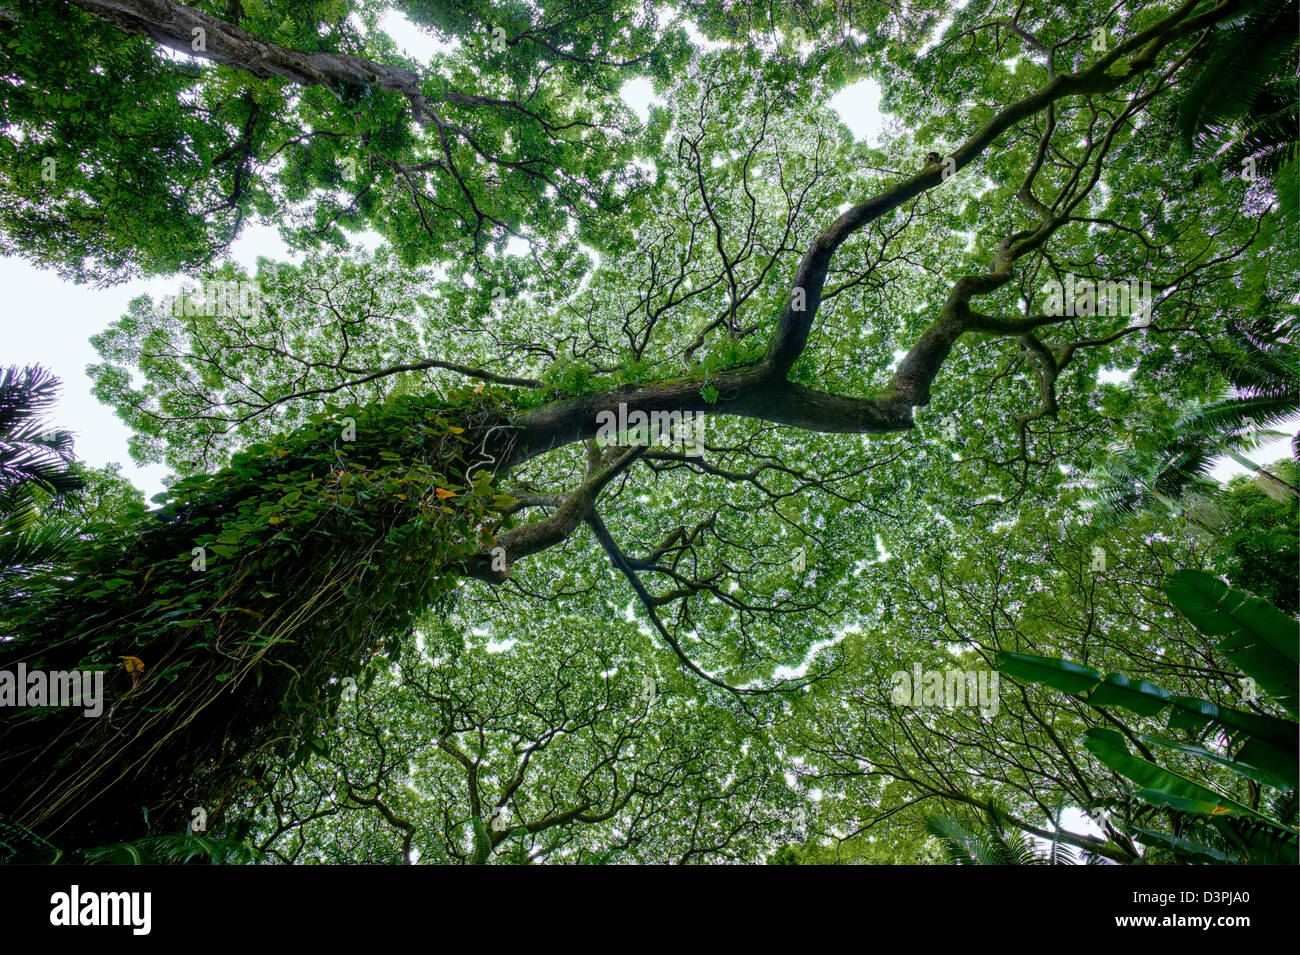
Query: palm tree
{"x": 1241, "y": 101}
{"x": 1261, "y": 371}
{"x": 994, "y": 840}
{"x": 36, "y": 468}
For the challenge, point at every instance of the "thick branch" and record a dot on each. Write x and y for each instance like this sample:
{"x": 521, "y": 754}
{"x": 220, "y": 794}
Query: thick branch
{"x": 746, "y": 392}
{"x": 916, "y": 372}
{"x": 539, "y": 535}
{"x": 172, "y": 25}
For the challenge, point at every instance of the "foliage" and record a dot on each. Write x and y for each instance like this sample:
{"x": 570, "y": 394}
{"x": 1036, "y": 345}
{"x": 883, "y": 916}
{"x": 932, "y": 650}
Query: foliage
{"x": 1258, "y": 543}
{"x": 1242, "y": 99}
{"x": 1261, "y": 368}
{"x": 993, "y": 843}
{"x": 195, "y": 591}
{"x": 1207, "y": 826}
{"x": 35, "y": 465}
{"x": 162, "y": 161}
{"x": 574, "y": 746}
{"x": 895, "y": 453}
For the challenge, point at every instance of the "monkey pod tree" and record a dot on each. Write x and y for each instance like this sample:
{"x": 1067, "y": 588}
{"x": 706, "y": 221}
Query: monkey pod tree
{"x": 147, "y": 134}
{"x": 562, "y": 745}
{"x": 766, "y": 271}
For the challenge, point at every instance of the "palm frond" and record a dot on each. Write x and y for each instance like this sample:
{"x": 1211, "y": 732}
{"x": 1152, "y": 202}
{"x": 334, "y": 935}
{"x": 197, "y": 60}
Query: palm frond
{"x": 32, "y": 454}
{"x": 1237, "y": 66}
{"x": 998, "y": 844}
{"x": 958, "y": 841}
{"x": 172, "y": 849}
{"x": 26, "y": 394}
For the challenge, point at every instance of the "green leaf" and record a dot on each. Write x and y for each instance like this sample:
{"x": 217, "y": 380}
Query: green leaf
{"x": 1108, "y": 746}
{"x": 1179, "y": 803}
{"x": 1260, "y": 639}
{"x": 1183, "y": 847}
{"x": 1141, "y": 697}
{"x": 1239, "y": 766}
{"x": 1051, "y": 671}
{"x": 1269, "y": 742}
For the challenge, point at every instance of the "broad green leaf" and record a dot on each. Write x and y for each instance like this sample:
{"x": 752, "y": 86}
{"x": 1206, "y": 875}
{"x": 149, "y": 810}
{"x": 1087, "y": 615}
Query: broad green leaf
{"x": 1183, "y": 847}
{"x": 1051, "y": 671}
{"x": 1141, "y": 697}
{"x": 1259, "y": 639}
{"x": 1109, "y": 747}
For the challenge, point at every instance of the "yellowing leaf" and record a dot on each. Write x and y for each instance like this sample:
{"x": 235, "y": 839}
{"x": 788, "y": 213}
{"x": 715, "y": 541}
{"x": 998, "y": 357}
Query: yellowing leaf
{"x": 134, "y": 668}
{"x": 443, "y": 493}
{"x": 455, "y": 430}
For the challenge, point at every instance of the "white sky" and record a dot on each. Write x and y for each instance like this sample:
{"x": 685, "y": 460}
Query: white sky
{"x": 46, "y": 321}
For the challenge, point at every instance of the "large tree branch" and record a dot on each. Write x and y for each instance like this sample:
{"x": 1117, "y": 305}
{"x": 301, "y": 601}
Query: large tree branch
{"x": 545, "y": 533}
{"x": 763, "y": 391}
{"x": 914, "y": 375}
{"x": 759, "y": 391}
{"x": 172, "y": 25}
{"x": 749, "y": 392}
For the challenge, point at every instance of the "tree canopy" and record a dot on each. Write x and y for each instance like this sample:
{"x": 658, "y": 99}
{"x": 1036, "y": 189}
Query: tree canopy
{"x": 402, "y": 601}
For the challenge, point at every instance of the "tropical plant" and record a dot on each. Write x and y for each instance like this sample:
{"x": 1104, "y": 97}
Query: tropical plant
{"x": 1262, "y": 368}
{"x": 36, "y": 466}
{"x": 996, "y": 840}
{"x": 1255, "y": 747}
{"x": 1261, "y": 372}
{"x": 1255, "y": 547}
{"x": 1241, "y": 102}
{"x": 22, "y": 846}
